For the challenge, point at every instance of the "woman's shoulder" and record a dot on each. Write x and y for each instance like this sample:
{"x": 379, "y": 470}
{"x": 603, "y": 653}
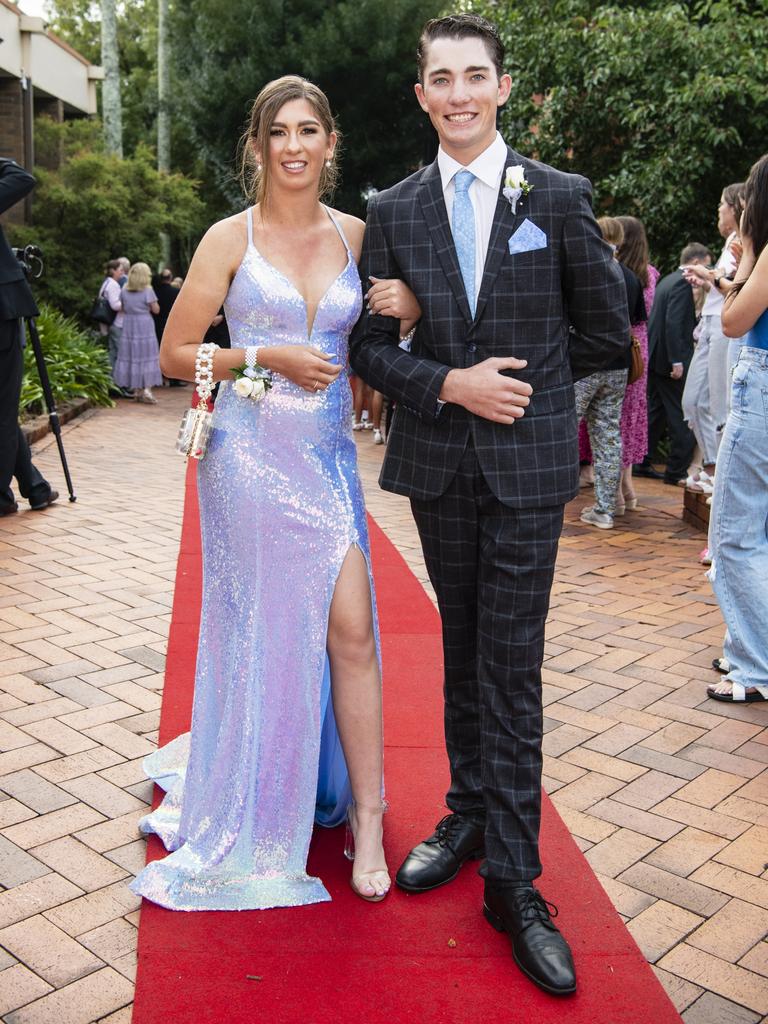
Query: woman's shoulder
{"x": 229, "y": 228}
{"x": 353, "y": 228}
{"x": 225, "y": 240}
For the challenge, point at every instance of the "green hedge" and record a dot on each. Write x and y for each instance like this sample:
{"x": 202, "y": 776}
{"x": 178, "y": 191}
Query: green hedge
{"x": 77, "y": 364}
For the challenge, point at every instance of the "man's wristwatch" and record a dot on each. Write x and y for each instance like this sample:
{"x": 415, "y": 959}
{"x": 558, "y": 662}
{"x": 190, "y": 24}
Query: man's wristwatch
{"x": 717, "y": 280}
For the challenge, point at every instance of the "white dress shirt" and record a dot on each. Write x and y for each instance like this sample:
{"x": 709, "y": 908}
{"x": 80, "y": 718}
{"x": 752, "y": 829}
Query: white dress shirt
{"x": 488, "y": 169}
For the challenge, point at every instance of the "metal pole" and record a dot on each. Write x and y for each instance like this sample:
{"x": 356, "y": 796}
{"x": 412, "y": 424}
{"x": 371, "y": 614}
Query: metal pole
{"x": 53, "y": 416}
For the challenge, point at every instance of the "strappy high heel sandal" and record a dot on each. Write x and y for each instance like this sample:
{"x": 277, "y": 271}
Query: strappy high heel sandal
{"x": 366, "y": 879}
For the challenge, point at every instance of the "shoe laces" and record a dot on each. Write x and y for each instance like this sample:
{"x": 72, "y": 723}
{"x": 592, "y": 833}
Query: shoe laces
{"x": 534, "y": 908}
{"x": 444, "y": 830}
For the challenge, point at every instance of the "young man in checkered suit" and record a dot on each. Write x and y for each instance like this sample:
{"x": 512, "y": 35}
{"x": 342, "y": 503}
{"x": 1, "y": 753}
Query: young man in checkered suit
{"x": 519, "y": 296}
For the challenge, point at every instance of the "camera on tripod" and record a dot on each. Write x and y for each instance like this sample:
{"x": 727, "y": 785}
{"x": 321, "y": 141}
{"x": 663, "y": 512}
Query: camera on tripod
{"x": 31, "y": 260}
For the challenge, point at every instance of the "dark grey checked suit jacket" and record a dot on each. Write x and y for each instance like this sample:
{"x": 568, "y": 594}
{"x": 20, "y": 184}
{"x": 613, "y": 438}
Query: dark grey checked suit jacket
{"x": 563, "y": 308}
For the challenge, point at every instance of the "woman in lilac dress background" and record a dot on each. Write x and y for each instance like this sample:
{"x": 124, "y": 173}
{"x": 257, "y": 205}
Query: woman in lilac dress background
{"x": 137, "y": 366}
{"x": 634, "y": 254}
{"x": 287, "y": 672}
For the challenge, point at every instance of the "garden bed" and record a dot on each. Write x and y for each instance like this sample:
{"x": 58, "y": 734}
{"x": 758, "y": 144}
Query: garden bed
{"x": 37, "y": 427}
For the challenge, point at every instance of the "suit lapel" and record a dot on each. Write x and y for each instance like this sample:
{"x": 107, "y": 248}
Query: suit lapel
{"x": 504, "y": 223}
{"x": 436, "y": 217}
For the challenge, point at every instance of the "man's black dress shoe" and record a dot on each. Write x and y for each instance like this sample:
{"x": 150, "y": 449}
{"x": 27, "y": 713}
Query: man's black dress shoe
{"x": 41, "y": 503}
{"x": 540, "y": 951}
{"x": 438, "y": 859}
{"x": 647, "y": 470}
{"x": 8, "y": 510}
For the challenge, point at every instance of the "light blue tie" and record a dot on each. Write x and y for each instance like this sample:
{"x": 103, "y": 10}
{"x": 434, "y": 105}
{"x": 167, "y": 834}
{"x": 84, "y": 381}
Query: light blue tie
{"x": 464, "y": 232}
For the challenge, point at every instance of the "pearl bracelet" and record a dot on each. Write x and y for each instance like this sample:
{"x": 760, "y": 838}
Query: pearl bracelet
{"x": 405, "y": 341}
{"x": 204, "y": 369}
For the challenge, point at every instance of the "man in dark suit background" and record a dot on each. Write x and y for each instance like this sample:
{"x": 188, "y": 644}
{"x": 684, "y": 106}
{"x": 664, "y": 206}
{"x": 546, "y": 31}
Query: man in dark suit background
{"x": 16, "y": 301}
{"x": 670, "y": 349}
{"x": 166, "y": 296}
{"x": 519, "y": 294}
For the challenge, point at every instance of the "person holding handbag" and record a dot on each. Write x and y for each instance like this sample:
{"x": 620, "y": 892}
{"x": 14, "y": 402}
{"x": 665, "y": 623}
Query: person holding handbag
{"x": 287, "y": 718}
{"x": 633, "y": 254}
{"x": 109, "y": 298}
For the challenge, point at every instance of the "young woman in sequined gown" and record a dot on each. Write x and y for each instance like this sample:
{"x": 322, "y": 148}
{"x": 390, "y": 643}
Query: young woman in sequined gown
{"x": 286, "y": 726}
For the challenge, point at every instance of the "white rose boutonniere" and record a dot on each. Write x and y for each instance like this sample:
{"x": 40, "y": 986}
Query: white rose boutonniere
{"x": 515, "y": 185}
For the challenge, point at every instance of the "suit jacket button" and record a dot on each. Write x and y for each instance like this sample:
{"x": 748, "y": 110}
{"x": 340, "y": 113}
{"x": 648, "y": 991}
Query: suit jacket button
{"x": 471, "y": 348}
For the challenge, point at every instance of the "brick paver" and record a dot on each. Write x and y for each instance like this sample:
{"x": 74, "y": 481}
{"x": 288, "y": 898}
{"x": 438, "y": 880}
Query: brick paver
{"x": 664, "y": 790}
{"x": 85, "y": 597}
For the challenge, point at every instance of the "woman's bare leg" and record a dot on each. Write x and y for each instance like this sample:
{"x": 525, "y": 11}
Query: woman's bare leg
{"x": 361, "y": 394}
{"x": 626, "y": 487}
{"x": 356, "y": 687}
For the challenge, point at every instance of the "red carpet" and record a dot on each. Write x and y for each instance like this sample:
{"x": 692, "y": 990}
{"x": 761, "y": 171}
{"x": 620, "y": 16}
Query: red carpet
{"x": 430, "y": 959}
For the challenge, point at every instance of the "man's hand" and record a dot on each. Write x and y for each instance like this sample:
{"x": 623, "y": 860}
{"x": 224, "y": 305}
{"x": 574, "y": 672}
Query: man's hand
{"x": 677, "y": 371}
{"x": 483, "y": 390}
{"x": 698, "y": 276}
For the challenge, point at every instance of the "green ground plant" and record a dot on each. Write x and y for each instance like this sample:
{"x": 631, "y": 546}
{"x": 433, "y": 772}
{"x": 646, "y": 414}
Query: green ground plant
{"x": 77, "y": 364}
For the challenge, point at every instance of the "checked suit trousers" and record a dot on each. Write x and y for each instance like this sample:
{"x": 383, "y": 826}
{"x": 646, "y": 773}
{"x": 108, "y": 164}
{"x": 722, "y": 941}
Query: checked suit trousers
{"x": 492, "y": 568}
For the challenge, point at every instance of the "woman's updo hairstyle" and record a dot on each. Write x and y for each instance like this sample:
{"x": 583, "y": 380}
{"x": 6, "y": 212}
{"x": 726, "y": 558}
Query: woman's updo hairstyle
{"x": 254, "y": 144}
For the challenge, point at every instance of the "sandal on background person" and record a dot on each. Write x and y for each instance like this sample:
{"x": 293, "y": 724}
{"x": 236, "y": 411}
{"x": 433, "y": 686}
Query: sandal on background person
{"x": 738, "y": 694}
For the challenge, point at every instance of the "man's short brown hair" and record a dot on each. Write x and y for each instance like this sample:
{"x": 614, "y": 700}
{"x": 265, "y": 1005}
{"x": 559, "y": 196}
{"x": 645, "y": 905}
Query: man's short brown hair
{"x": 461, "y": 26}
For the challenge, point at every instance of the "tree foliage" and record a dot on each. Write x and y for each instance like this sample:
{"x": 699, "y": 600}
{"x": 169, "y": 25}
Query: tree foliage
{"x": 223, "y": 51}
{"x": 78, "y": 22}
{"x": 362, "y": 54}
{"x": 97, "y": 206}
{"x": 661, "y": 105}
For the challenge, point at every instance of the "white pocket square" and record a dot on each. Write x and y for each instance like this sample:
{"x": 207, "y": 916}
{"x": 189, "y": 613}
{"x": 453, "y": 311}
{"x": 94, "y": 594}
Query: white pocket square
{"x": 527, "y": 238}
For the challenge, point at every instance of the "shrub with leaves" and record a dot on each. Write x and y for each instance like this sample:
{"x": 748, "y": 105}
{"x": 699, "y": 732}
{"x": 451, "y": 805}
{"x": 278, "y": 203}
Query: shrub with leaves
{"x": 96, "y": 207}
{"x": 660, "y": 104}
{"x": 78, "y": 366}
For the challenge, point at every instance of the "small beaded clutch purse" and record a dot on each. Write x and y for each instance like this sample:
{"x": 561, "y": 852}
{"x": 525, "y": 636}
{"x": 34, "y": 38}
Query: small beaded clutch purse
{"x": 195, "y": 428}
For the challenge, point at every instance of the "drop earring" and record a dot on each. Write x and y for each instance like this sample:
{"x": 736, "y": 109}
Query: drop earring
{"x": 328, "y": 165}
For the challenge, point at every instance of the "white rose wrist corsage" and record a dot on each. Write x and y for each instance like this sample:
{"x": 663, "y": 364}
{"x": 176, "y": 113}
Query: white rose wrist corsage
{"x": 515, "y": 185}
{"x": 251, "y": 380}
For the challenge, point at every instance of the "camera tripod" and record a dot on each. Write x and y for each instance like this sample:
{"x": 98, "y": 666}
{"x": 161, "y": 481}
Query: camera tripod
{"x": 28, "y": 258}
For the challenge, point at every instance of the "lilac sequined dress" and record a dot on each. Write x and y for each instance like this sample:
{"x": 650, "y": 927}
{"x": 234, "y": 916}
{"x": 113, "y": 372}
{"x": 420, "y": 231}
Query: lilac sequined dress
{"x": 280, "y": 505}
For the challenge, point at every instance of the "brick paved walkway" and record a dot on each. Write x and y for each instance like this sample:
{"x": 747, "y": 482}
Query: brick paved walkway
{"x": 665, "y": 791}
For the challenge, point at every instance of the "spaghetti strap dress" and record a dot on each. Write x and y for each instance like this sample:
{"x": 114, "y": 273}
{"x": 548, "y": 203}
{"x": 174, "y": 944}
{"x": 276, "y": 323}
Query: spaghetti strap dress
{"x": 281, "y": 505}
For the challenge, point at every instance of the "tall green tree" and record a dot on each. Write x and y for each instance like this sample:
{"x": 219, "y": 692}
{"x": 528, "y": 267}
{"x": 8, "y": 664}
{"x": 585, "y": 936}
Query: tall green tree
{"x": 111, "y": 105}
{"x": 659, "y": 104}
{"x": 163, "y": 88}
{"x": 78, "y": 22}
